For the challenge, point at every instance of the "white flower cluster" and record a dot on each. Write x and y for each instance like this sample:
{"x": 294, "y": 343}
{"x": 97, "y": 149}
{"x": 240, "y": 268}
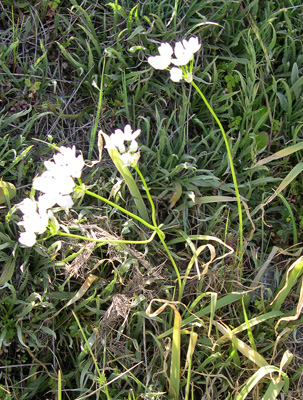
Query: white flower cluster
{"x": 184, "y": 53}
{"x": 128, "y": 154}
{"x": 56, "y": 184}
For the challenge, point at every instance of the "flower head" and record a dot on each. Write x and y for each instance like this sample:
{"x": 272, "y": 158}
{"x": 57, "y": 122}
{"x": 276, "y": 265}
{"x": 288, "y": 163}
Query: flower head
{"x": 118, "y": 138}
{"x": 129, "y": 151}
{"x": 130, "y": 159}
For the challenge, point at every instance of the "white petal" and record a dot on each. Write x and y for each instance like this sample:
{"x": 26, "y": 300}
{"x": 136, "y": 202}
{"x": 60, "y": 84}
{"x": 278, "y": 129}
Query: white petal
{"x": 165, "y": 50}
{"x": 127, "y": 131}
{"x": 192, "y": 44}
{"x": 176, "y": 74}
{"x": 45, "y": 202}
{"x": 133, "y": 147}
{"x": 179, "y": 49}
{"x": 136, "y": 134}
{"x": 27, "y": 239}
{"x": 65, "y": 201}
{"x": 28, "y": 206}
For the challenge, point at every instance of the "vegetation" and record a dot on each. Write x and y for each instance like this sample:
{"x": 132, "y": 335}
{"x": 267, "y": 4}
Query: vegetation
{"x": 179, "y": 278}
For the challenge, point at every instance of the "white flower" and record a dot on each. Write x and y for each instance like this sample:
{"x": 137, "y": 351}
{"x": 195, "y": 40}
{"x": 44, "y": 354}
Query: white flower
{"x": 159, "y": 62}
{"x": 183, "y": 55}
{"x": 45, "y": 202}
{"x": 118, "y": 138}
{"x": 27, "y": 238}
{"x": 164, "y": 59}
{"x": 165, "y": 50}
{"x": 192, "y": 44}
{"x": 130, "y": 159}
{"x": 128, "y": 134}
{"x": 184, "y": 51}
{"x": 176, "y": 74}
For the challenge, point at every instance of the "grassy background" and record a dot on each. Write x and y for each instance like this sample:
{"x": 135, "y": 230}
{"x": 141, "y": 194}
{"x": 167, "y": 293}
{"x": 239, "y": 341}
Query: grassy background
{"x": 53, "y": 55}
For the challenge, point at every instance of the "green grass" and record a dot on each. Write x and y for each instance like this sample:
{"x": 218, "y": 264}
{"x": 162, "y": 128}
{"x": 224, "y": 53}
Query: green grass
{"x": 78, "y": 318}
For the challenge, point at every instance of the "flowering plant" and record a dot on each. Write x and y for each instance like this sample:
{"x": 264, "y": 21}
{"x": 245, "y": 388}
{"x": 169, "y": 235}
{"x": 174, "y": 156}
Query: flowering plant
{"x": 184, "y": 52}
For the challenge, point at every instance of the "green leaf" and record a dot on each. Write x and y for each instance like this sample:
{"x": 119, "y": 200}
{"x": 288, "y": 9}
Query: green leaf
{"x": 8, "y": 271}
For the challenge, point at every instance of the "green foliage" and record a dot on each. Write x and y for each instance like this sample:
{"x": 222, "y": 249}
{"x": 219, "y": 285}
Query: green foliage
{"x": 69, "y": 69}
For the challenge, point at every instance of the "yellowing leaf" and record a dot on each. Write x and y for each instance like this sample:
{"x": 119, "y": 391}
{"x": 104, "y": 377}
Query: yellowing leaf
{"x": 282, "y": 153}
{"x": 176, "y": 195}
{"x": 6, "y": 189}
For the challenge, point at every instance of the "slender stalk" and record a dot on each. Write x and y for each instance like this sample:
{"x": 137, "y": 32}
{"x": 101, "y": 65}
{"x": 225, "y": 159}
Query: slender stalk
{"x": 233, "y": 173}
{"x": 130, "y": 214}
{"x": 159, "y": 232}
{"x": 105, "y": 241}
{"x": 94, "y": 131}
{"x": 148, "y": 196}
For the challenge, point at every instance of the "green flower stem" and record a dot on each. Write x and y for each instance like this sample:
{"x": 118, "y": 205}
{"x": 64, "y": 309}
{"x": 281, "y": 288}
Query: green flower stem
{"x": 99, "y": 108}
{"x": 130, "y": 214}
{"x": 105, "y": 241}
{"x": 148, "y": 196}
{"x": 159, "y": 232}
{"x": 233, "y": 173}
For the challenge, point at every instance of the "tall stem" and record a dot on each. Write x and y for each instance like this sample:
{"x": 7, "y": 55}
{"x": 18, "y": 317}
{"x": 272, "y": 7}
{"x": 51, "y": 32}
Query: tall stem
{"x": 130, "y": 214}
{"x": 159, "y": 232}
{"x": 232, "y": 169}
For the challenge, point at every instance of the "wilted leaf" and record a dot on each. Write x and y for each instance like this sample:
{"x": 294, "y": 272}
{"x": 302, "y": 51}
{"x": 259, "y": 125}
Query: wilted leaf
{"x": 6, "y": 189}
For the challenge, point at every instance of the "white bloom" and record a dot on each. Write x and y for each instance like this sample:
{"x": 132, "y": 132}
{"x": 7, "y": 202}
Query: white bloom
{"x": 159, "y": 62}
{"x": 45, "y": 202}
{"x": 27, "y": 238}
{"x": 129, "y": 134}
{"x": 192, "y": 44}
{"x": 183, "y": 55}
{"x": 176, "y": 74}
{"x": 118, "y": 138}
{"x": 184, "y": 51}
{"x": 130, "y": 159}
{"x": 164, "y": 59}
{"x": 165, "y": 50}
